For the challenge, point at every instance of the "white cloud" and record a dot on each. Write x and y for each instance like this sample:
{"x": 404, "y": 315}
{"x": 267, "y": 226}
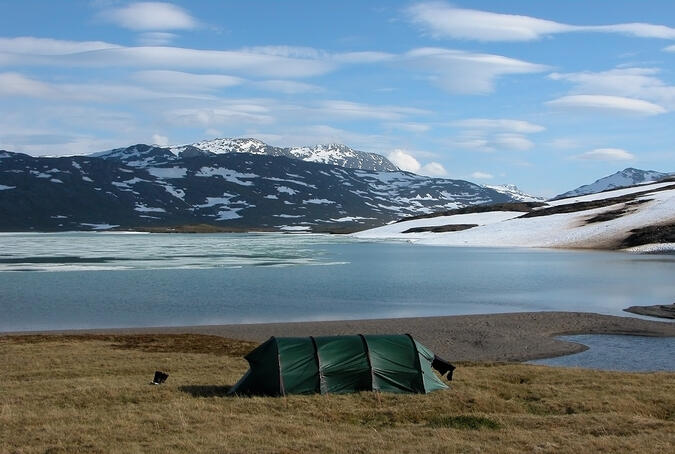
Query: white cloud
{"x": 227, "y": 113}
{"x": 638, "y": 83}
{"x": 363, "y": 57}
{"x": 28, "y": 45}
{"x": 442, "y": 20}
{"x": 186, "y": 81}
{"x": 433, "y": 169}
{"x": 407, "y": 162}
{"x": 404, "y": 161}
{"x": 492, "y": 134}
{"x": 150, "y": 16}
{"x": 288, "y": 51}
{"x": 103, "y": 55}
{"x": 207, "y": 82}
{"x": 458, "y": 71}
{"x": 482, "y": 176}
{"x": 15, "y": 84}
{"x": 637, "y": 29}
{"x": 564, "y": 143}
{"x": 606, "y": 154}
{"x": 513, "y": 142}
{"x": 616, "y": 104}
{"x": 670, "y": 48}
{"x": 358, "y": 110}
{"x": 286, "y": 86}
{"x": 455, "y": 71}
{"x": 160, "y": 140}
{"x": 411, "y": 127}
{"x": 504, "y": 124}
{"x": 156, "y": 38}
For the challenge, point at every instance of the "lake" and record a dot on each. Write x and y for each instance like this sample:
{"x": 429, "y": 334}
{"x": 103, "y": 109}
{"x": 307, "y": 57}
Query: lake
{"x": 97, "y": 280}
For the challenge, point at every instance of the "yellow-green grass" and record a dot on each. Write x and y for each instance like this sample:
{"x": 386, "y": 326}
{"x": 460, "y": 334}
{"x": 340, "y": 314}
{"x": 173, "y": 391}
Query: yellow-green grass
{"x": 70, "y": 394}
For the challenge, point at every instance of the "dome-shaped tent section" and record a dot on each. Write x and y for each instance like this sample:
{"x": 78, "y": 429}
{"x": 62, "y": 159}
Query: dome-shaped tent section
{"x": 341, "y": 364}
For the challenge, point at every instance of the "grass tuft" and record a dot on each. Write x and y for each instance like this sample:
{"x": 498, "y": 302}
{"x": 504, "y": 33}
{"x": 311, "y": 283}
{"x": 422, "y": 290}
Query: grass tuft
{"x": 463, "y": 422}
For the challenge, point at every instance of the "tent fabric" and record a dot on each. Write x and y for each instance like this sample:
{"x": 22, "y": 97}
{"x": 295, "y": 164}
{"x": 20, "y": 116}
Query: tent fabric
{"x": 339, "y": 364}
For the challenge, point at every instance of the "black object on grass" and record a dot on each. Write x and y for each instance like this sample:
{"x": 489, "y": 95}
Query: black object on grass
{"x": 442, "y": 366}
{"x": 160, "y": 377}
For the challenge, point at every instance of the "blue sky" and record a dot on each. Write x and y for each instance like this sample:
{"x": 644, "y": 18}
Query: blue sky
{"x": 546, "y": 95}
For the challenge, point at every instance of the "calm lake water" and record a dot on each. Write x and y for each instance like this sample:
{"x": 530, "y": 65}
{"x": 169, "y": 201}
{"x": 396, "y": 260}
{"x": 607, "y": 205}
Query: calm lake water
{"x": 93, "y": 280}
{"x": 96, "y": 280}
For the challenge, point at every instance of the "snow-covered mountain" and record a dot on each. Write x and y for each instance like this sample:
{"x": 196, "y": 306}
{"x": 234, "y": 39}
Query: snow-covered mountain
{"x": 335, "y": 154}
{"x": 149, "y": 186}
{"x": 513, "y": 191}
{"x": 640, "y": 218}
{"x": 622, "y": 179}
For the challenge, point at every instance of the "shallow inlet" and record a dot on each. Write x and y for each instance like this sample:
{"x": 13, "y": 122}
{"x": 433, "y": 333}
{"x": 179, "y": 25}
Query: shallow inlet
{"x": 618, "y": 352}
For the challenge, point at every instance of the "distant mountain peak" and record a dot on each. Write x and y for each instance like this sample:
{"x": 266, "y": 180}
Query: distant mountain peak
{"x": 513, "y": 191}
{"x": 142, "y": 155}
{"x": 627, "y": 177}
{"x": 331, "y": 153}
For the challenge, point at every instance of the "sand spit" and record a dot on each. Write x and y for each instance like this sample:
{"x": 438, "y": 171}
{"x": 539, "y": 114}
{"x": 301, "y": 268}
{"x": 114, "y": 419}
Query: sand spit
{"x": 494, "y": 337}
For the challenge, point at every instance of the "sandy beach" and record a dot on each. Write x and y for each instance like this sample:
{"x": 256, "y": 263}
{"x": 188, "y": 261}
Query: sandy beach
{"x": 493, "y": 337}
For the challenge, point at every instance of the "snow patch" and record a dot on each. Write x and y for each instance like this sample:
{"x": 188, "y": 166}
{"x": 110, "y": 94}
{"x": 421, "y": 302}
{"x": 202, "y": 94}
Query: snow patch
{"x": 318, "y": 202}
{"x": 350, "y": 219}
{"x": 167, "y": 172}
{"x": 229, "y": 175}
{"x": 286, "y": 180}
{"x": 294, "y": 228}
{"x": 146, "y": 209}
{"x": 287, "y": 190}
{"x": 395, "y": 230}
{"x": 99, "y": 226}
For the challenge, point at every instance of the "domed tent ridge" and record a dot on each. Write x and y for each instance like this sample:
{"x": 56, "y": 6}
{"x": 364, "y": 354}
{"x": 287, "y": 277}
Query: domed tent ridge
{"x": 342, "y": 364}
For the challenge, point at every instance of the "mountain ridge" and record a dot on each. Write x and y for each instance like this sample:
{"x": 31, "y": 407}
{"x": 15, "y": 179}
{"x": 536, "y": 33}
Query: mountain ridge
{"x": 624, "y": 178}
{"x": 145, "y": 186}
{"x": 332, "y": 153}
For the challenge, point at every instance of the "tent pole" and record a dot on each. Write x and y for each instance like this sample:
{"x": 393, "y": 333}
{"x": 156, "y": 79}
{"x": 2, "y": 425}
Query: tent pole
{"x": 417, "y": 363}
{"x": 323, "y": 387}
{"x": 373, "y": 387}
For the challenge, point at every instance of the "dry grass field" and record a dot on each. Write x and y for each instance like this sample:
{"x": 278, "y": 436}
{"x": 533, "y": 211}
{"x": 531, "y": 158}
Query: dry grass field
{"x": 76, "y": 394}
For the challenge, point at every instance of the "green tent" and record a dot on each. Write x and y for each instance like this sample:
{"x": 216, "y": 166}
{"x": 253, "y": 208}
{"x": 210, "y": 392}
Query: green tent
{"x": 341, "y": 364}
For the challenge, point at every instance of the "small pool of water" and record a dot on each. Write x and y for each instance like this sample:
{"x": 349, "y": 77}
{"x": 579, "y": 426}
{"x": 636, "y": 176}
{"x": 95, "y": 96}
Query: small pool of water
{"x": 619, "y": 352}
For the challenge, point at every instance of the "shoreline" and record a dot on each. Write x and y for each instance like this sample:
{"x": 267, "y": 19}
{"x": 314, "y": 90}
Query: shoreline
{"x": 507, "y": 337}
{"x": 659, "y": 248}
{"x": 665, "y": 311}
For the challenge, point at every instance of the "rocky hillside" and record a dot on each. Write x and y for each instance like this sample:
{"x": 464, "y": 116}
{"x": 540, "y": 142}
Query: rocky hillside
{"x": 147, "y": 186}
